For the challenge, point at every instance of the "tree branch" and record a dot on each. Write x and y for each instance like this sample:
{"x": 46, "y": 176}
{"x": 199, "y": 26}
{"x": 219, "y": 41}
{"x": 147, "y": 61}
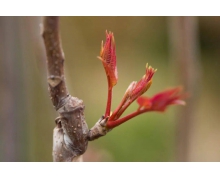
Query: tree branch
{"x": 55, "y": 61}
{"x": 70, "y": 133}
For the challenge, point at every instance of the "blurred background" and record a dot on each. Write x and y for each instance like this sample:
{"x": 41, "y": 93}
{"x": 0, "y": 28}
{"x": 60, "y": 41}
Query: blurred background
{"x": 185, "y": 50}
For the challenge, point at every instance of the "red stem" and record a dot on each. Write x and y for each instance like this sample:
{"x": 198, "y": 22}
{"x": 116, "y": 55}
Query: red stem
{"x": 109, "y": 101}
{"x": 113, "y": 124}
{"x": 121, "y": 110}
{"x": 113, "y": 116}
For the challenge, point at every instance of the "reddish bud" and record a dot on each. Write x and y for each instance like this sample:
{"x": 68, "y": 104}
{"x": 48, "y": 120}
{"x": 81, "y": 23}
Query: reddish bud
{"x": 160, "y": 101}
{"x": 144, "y": 84}
{"x": 134, "y": 90}
{"x": 108, "y": 58}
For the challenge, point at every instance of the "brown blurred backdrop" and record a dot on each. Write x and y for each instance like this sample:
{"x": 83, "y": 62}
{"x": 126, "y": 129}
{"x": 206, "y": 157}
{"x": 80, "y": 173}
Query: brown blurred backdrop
{"x": 185, "y": 50}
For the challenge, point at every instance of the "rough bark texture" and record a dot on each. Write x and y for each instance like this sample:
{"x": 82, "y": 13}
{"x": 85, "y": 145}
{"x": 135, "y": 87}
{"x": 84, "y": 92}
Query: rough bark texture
{"x": 70, "y": 134}
{"x": 99, "y": 129}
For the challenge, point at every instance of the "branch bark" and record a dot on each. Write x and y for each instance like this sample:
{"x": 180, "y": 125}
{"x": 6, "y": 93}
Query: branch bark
{"x": 71, "y": 134}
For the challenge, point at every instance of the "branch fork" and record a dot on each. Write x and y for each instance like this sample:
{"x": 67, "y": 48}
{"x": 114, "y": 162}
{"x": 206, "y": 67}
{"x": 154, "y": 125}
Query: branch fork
{"x": 99, "y": 129}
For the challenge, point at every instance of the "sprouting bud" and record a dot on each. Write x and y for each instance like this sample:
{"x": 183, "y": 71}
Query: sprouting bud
{"x": 160, "y": 101}
{"x": 144, "y": 84}
{"x": 108, "y": 58}
{"x": 134, "y": 90}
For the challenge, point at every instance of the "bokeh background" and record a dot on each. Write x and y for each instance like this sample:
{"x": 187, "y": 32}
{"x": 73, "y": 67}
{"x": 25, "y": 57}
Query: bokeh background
{"x": 185, "y": 50}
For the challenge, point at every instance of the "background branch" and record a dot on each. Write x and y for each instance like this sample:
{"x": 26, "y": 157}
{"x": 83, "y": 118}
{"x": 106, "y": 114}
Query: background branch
{"x": 184, "y": 53}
